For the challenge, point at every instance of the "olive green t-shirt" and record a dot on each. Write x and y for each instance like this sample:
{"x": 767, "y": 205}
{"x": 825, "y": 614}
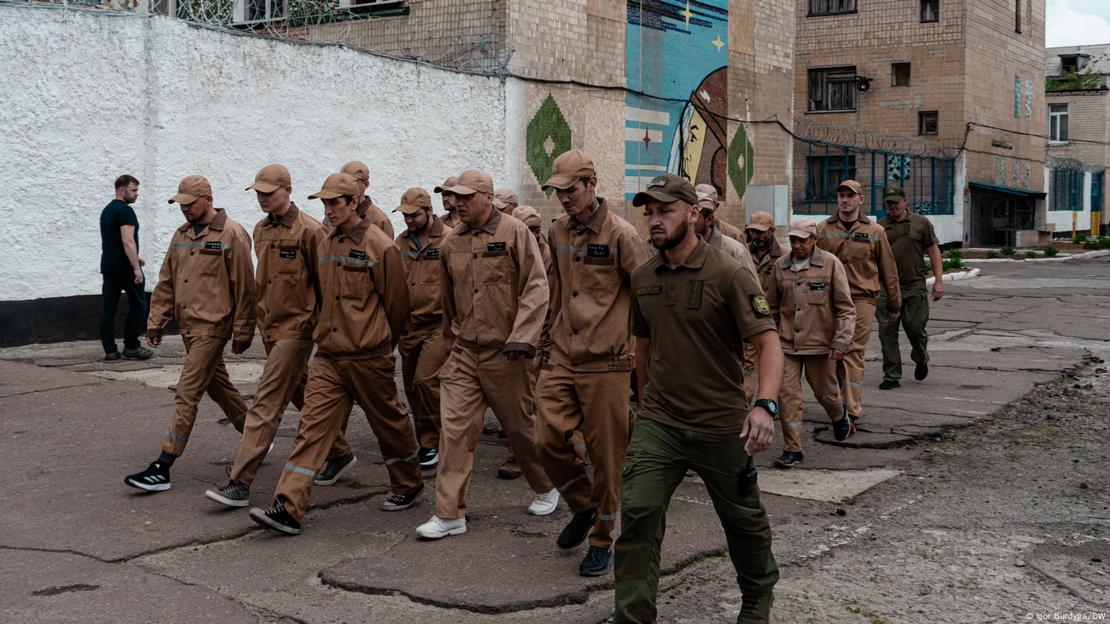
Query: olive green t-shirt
{"x": 909, "y": 239}
{"x": 696, "y": 316}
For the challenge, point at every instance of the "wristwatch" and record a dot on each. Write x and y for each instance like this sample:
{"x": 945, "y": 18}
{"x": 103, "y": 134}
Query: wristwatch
{"x": 770, "y": 405}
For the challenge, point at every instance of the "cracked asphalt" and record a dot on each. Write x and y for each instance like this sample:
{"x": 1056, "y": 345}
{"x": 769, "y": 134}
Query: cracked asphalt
{"x": 979, "y": 495}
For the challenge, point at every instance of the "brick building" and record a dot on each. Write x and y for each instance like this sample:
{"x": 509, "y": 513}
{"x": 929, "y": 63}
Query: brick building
{"x": 942, "y": 97}
{"x": 1078, "y": 101}
{"x": 644, "y": 87}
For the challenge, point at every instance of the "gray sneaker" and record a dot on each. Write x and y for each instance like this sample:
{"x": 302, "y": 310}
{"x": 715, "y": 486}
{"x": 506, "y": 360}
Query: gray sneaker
{"x": 234, "y": 494}
{"x": 137, "y": 353}
{"x": 333, "y": 469}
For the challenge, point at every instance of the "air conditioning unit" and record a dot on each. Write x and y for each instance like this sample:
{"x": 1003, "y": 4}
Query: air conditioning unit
{"x": 246, "y": 12}
{"x": 371, "y": 4}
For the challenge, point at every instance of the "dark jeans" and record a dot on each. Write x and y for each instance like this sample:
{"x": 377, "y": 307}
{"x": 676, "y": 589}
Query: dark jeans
{"x": 136, "y": 310}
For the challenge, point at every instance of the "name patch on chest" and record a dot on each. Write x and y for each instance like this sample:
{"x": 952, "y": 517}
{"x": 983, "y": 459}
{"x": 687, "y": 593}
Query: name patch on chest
{"x": 693, "y": 294}
{"x": 499, "y": 248}
{"x": 287, "y": 253}
{"x": 817, "y": 286}
{"x": 597, "y": 251}
{"x": 357, "y": 254}
{"x": 431, "y": 254}
{"x": 861, "y": 237}
{"x": 214, "y": 245}
{"x": 649, "y": 290}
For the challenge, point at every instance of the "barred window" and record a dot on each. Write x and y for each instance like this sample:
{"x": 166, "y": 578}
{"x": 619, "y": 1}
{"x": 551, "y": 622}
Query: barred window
{"x": 832, "y": 89}
{"x": 831, "y": 7}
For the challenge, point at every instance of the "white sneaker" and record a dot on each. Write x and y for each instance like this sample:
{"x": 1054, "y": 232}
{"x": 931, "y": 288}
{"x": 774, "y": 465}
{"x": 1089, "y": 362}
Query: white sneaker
{"x": 544, "y": 503}
{"x": 438, "y": 527}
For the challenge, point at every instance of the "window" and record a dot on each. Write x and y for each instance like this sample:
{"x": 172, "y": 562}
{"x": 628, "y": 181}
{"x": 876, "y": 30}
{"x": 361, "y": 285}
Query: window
{"x": 1017, "y": 16}
{"x": 1069, "y": 64}
{"x": 831, "y": 7}
{"x": 825, "y": 173}
{"x": 930, "y": 10}
{"x": 1067, "y": 186}
{"x": 928, "y": 123}
{"x": 900, "y": 74}
{"x": 257, "y": 11}
{"x": 1058, "y": 123}
{"x": 832, "y": 89}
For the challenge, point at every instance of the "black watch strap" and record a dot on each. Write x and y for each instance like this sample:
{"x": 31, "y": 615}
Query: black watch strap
{"x": 769, "y": 405}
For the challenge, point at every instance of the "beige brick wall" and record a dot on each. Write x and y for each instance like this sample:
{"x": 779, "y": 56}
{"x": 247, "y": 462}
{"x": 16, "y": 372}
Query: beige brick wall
{"x": 1088, "y": 118}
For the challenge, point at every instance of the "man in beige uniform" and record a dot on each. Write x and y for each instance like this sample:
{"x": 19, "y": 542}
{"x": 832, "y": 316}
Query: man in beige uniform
{"x": 584, "y": 380}
{"x": 207, "y": 284}
{"x": 727, "y": 229}
{"x": 708, "y": 228}
{"x": 505, "y": 200}
{"x": 286, "y": 242}
{"x": 366, "y": 208}
{"x": 764, "y": 251}
{"x": 494, "y": 301}
{"x": 364, "y": 308}
{"x": 813, "y": 310}
{"x": 861, "y": 245}
{"x": 531, "y": 217}
{"x": 451, "y": 219}
{"x": 422, "y": 353}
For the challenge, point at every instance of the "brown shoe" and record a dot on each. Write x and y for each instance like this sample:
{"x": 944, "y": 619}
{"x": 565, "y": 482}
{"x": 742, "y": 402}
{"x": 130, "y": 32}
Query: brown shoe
{"x": 510, "y": 469}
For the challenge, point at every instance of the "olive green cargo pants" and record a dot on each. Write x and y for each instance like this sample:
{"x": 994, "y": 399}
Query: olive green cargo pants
{"x": 914, "y": 318}
{"x": 657, "y": 460}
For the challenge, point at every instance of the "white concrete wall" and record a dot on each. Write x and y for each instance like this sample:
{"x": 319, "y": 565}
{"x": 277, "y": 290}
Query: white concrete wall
{"x": 87, "y": 96}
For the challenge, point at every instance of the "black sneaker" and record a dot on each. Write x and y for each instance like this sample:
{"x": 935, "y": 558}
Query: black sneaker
{"x": 276, "y": 518}
{"x": 597, "y": 562}
{"x": 889, "y": 383}
{"x": 401, "y": 502}
{"x": 333, "y": 469}
{"x": 920, "y": 372}
{"x": 156, "y": 478}
{"x": 234, "y": 494}
{"x": 429, "y": 457}
{"x": 843, "y": 428}
{"x": 112, "y": 357}
{"x": 575, "y": 532}
{"x": 137, "y": 353}
{"x": 789, "y": 459}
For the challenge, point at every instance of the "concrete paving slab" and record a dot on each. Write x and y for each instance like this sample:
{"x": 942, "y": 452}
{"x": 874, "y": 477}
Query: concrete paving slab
{"x": 64, "y": 587}
{"x": 167, "y": 375}
{"x": 831, "y": 486}
{"x": 864, "y": 439}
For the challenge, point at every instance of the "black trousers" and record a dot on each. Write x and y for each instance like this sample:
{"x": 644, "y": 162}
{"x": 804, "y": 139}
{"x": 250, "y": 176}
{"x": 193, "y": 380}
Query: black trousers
{"x": 136, "y": 310}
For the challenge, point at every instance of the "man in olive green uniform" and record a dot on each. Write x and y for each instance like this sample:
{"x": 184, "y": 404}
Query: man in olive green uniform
{"x": 691, "y": 308}
{"x": 207, "y": 285}
{"x": 911, "y": 236}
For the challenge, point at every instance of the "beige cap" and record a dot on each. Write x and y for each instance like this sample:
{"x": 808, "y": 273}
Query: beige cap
{"x": 706, "y": 189}
{"x": 529, "y": 215}
{"x": 414, "y": 200}
{"x": 270, "y": 178}
{"x": 851, "y": 185}
{"x": 357, "y": 170}
{"x": 761, "y": 221}
{"x": 337, "y": 185}
{"x": 504, "y": 196}
{"x": 191, "y": 189}
{"x": 706, "y": 202}
{"x": 448, "y": 183}
{"x": 471, "y": 181}
{"x": 568, "y": 168}
{"x": 802, "y": 228}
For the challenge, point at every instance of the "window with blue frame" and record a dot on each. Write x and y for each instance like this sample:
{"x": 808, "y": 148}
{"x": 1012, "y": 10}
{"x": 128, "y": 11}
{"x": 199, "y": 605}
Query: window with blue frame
{"x": 1067, "y": 189}
{"x": 825, "y": 173}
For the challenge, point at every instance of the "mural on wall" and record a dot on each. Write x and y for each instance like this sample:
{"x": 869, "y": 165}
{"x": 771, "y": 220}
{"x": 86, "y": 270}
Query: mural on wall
{"x": 547, "y": 136}
{"x": 678, "y": 50}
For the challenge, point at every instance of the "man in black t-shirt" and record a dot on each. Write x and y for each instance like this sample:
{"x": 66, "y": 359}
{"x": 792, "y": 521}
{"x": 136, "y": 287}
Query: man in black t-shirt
{"x": 122, "y": 269}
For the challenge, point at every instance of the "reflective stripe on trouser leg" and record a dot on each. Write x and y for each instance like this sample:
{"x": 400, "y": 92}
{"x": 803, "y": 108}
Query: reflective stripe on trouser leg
{"x": 652, "y": 469}
{"x": 371, "y": 382}
{"x": 325, "y": 408}
{"x": 202, "y": 357}
{"x": 463, "y": 407}
{"x": 286, "y": 363}
{"x": 790, "y": 414}
{"x": 508, "y": 388}
{"x": 853, "y": 365}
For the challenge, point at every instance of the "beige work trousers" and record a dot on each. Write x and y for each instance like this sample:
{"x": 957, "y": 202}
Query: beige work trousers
{"x": 203, "y": 371}
{"x": 283, "y": 381}
{"x": 849, "y": 372}
{"x": 595, "y": 404}
{"x": 820, "y": 372}
{"x": 334, "y": 384}
{"x": 422, "y": 357}
{"x": 469, "y": 382}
